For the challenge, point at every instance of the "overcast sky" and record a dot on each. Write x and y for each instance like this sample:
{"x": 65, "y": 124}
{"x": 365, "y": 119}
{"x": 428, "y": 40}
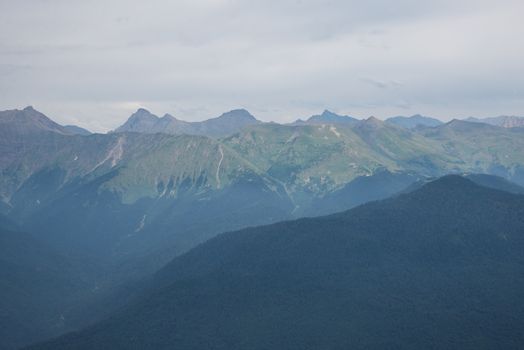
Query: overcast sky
{"x": 93, "y": 63}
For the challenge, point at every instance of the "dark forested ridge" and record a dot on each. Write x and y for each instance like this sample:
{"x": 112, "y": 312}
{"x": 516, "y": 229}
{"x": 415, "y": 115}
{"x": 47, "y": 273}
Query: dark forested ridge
{"x": 441, "y": 267}
{"x": 37, "y": 286}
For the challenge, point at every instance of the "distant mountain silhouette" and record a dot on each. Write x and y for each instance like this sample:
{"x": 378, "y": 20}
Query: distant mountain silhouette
{"x": 228, "y": 123}
{"x": 27, "y": 121}
{"x": 414, "y": 121}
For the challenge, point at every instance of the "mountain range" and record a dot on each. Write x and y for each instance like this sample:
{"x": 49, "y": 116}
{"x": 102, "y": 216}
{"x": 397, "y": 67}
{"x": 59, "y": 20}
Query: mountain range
{"x": 117, "y": 207}
{"x": 234, "y": 121}
{"x": 141, "y": 185}
{"x": 143, "y": 121}
{"x": 439, "y": 267}
{"x": 226, "y": 124}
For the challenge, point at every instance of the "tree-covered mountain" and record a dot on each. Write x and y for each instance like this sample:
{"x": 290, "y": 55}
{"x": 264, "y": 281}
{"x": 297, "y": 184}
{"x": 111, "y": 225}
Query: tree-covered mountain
{"x": 489, "y": 181}
{"x": 495, "y": 182}
{"x": 440, "y": 267}
{"x": 381, "y": 185}
{"x": 228, "y": 123}
{"x": 37, "y": 288}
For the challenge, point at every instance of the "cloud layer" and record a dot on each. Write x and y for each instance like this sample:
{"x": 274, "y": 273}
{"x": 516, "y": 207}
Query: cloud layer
{"x": 93, "y": 62}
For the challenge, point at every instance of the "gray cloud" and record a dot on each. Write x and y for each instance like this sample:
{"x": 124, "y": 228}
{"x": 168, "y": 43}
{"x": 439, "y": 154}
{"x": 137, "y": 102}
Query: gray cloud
{"x": 94, "y": 62}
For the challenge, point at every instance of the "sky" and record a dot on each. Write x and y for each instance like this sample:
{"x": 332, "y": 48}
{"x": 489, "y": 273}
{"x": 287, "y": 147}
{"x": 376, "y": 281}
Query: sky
{"x": 94, "y": 62}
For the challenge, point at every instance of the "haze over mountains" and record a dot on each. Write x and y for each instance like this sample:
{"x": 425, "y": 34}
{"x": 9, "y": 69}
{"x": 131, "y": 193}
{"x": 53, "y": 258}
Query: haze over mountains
{"x": 37, "y": 285}
{"x": 102, "y": 212}
{"x": 440, "y": 268}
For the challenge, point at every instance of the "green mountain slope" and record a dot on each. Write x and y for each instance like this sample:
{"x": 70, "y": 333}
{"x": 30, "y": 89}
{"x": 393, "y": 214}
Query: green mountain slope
{"x": 482, "y": 148}
{"x": 123, "y": 194}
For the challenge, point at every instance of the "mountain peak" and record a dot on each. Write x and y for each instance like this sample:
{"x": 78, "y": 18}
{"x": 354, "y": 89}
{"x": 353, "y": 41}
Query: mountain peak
{"x": 228, "y": 123}
{"x": 372, "y": 121}
{"x": 238, "y": 114}
{"x": 328, "y": 117}
{"x": 30, "y": 120}
{"x": 450, "y": 182}
{"x": 142, "y": 112}
{"x": 140, "y": 121}
{"x": 168, "y": 116}
{"x": 452, "y": 188}
{"x": 328, "y": 113}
